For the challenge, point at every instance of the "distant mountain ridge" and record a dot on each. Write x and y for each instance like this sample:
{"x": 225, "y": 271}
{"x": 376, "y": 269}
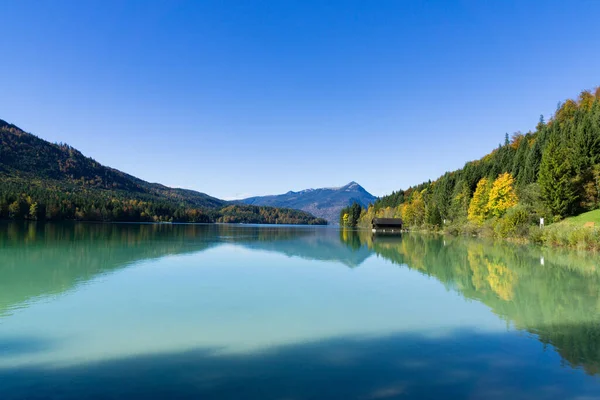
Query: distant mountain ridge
{"x": 324, "y": 202}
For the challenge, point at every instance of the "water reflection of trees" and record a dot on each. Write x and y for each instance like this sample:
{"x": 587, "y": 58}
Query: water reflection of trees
{"x": 39, "y": 259}
{"x": 47, "y": 259}
{"x": 551, "y": 293}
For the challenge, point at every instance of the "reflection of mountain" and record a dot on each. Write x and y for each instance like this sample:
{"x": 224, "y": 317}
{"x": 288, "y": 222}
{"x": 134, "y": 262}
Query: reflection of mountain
{"x": 550, "y": 293}
{"x": 316, "y": 244}
{"x": 47, "y": 259}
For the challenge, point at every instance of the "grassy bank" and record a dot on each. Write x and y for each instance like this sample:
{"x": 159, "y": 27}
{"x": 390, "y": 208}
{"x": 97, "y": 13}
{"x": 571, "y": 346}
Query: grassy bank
{"x": 581, "y": 232}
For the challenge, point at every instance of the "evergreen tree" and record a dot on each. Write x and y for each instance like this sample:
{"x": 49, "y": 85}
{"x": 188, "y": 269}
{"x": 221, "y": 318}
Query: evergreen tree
{"x": 556, "y": 179}
{"x": 355, "y": 211}
{"x": 532, "y": 163}
{"x": 460, "y": 202}
{"x": 518, "y": 165}
{"x": 433, "y": 216}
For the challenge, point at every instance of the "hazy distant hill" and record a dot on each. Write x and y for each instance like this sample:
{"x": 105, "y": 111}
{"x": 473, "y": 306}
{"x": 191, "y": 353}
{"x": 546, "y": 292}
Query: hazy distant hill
{"x": 40, "y": 180}
{"x": 324, "y": 203}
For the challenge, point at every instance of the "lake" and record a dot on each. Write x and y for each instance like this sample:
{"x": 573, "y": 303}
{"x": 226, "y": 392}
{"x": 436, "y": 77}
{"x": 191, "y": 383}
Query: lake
{"x": 142, "y": 311}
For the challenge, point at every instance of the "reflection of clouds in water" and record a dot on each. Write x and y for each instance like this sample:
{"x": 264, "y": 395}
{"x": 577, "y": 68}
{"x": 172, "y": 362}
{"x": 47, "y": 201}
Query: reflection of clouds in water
{"x": 413, "y": 363}
{"x": 387, "y": 392}
{"x": 454, "y": 376}
{"x": 457, "y": 367}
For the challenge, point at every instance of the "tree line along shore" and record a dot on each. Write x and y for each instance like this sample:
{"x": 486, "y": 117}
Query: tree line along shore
{"x": 551, "y": 174}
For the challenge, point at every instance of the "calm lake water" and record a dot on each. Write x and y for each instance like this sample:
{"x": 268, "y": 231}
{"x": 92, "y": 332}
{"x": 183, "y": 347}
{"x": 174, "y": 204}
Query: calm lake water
{"x": 256, "y": 312}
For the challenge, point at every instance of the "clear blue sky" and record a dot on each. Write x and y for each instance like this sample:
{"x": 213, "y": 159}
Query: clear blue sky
{"x": 238, "y": 98}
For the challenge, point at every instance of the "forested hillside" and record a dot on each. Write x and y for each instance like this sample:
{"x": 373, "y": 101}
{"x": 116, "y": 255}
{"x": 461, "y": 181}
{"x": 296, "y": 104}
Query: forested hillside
{"x": 47, "y": 181}
{"x": 552, "y": 172}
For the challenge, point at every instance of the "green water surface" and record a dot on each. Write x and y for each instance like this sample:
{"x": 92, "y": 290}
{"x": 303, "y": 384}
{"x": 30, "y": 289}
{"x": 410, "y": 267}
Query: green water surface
{"x": 279, "y": 312}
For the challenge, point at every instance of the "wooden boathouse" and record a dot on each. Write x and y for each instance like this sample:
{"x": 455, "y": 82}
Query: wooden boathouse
{"x": 386, "y": 224}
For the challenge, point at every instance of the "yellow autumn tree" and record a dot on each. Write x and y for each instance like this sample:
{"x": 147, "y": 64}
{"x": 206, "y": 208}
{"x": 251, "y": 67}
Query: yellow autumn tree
{"x": 388, "y": 212}
{"x": 502, "y": 195}
{"x": 566, "y": 111}
{"x": 413, "y": 212}
{"x": 403, "y": 209}
{"x": 586, "y": 100}
{"x": 408, "y": 214}
{"x": 418, "y": 205}
{"x": 478, "y": 205}
{"x": 475, "y": 261}
{"x": 502, "y": 280}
